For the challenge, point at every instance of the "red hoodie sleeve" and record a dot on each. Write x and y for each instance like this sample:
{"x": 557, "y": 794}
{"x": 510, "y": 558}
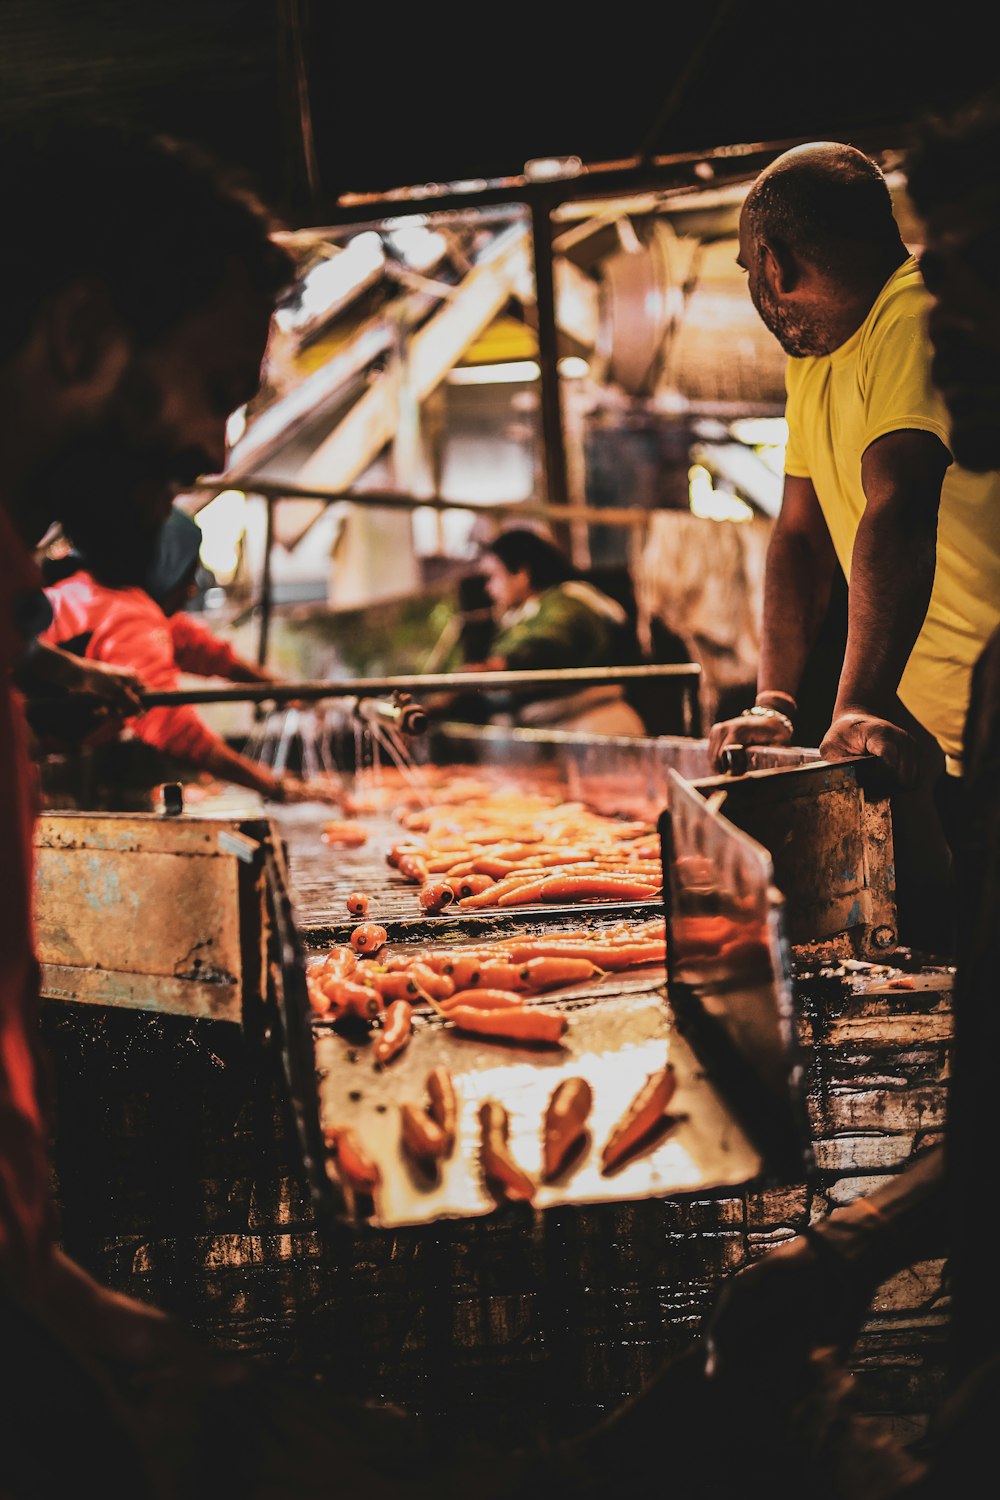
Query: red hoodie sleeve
{"x": 197, "y": 650}
{"x": 135, "y": 633}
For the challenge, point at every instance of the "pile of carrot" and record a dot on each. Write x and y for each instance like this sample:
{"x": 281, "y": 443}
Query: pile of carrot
{"x": 346, "y": 981}
{"x": 516, "y": 848}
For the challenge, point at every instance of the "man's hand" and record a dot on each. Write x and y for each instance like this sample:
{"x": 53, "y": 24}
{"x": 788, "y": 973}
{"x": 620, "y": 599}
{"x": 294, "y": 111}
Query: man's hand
{"x": 746, "y": 731}
{"x": 116, "y": 688}
{"x": 794, "y": 1300}
{"x": 860, "y": 733}
{"x": 113, "y": 689}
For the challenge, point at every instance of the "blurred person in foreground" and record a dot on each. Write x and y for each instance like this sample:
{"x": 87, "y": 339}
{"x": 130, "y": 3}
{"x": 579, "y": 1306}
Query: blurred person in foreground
{"x": 549, "y": 617}
{"x": 140, "y": 280}
{"x": 872, "y": 482}
{"x": 143, "y": 628}
{"x": 782, "y": 1327}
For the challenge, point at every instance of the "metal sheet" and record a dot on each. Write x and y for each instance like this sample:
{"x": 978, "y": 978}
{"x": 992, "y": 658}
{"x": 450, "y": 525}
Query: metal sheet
{"x": 729, "y": 969}
{"x": 158, "y": 913}
{"x": 828, "y": 830}
{"x": 618, "y": 1034}
{"x": 213, "y": 1001}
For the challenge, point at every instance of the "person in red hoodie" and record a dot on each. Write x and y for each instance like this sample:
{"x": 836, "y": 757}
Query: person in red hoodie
{"x": 146, "y": 630}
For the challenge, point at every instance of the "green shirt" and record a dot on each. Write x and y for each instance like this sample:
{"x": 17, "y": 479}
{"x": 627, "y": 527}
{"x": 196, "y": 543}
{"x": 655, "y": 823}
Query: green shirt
{"x": 570, "y": 625}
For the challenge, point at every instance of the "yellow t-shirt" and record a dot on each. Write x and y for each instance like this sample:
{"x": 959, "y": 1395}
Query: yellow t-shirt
{"x": 879, "y": 381}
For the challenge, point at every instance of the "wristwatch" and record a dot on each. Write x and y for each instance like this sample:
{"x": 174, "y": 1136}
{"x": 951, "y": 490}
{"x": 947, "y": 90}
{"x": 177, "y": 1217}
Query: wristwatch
{"x": 761, "y": 711}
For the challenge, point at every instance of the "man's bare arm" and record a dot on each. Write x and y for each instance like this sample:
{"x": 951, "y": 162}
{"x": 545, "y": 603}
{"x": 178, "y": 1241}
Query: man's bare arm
{"x": 892, "y": 574}
{"x": 797, "y": 582}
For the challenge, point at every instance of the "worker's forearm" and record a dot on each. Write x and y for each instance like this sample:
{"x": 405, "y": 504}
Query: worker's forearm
{"x": 886, "y": 607}
{"x": 903, "y": 1221}
{"x": 229, "y": 765}
{"x": 797, "y": 583}
{"x": 244, "y": 671}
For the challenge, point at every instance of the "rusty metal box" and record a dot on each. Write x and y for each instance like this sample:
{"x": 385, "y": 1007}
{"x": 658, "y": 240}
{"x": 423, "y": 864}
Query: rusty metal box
{"x": 157, "y": 913}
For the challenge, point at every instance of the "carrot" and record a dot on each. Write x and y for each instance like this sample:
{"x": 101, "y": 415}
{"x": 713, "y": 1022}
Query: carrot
{"x": 413, "y": 867}
{"x": 391, "y": 984}
{"x": 501, "y": 1170}
{"x": 443, "y": 1103}
{"x": 604, "y": 955}
{"x": 471, "y": 884}
{"x": 465, "y": 968}
{"x": 427, "y": 981}
{"x": 565, "y": 1122}
{"x": 350, "y": 834}
{"x": 349, "y": 998}
{"x": 492, "y": 974}
{"x": 631, "y": 955}
{"x": 340, "y": 956}
{"x": 423, "y": 1138}
{"x": 496, "y": 869}
{"x": 643, "y": 1114}
{"x": 357, "y": 904}
{"x": 397, "y": 1028}
{"x": 401, "y": 851}
{"x": 598, "y": 888}
{"x": 353, "y": 1165}
{"x": 319, "y": 1000}
{"x": 435, "y": 895}
{"x": 368, "y": 938}
{"x": 491, "y": 896}
{"x": 510, "y": 1024}
{"x": 550, "y": 970}
{"x": 482, "y": 999}
{"x": 440, "y": 864}
{"x": 402, "y": 963}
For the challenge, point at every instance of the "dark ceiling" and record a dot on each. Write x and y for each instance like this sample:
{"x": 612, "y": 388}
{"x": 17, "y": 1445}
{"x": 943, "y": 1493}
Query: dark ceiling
{"x": 316, "y": 99}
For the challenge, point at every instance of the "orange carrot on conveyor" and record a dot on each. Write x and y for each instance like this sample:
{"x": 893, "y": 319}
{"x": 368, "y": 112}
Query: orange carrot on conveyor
{"x": 482, "y": 998}
{"x": 548, "y": 971}
{"x": 423, "y": 1138}
{"x": 565, "y": 1122}
{"x": 443, "y": 1102}
{"x": 501, "y": 1170}
{"x": 368, "y": 937}
{"x": 536, "y": 1025}
{"x": 354, "y": 1166}
{"x": 642, "y": 1116}
{"x": 397, "y": 1029}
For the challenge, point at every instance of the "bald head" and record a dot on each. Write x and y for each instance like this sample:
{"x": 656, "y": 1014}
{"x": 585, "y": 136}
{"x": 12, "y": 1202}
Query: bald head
{"x": 818, "y": 241}
{"x": 828, "y": 204}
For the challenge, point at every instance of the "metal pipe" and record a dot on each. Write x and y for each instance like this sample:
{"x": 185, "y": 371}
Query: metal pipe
{"x": 355, "y": 687}
{"x": 553, "y": 441}
{"x": 266, "y": 602}
{"x": 279, "y": 489}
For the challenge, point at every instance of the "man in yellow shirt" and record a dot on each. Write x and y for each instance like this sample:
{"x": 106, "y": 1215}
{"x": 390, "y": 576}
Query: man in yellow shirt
{"x": 870, "y": 481}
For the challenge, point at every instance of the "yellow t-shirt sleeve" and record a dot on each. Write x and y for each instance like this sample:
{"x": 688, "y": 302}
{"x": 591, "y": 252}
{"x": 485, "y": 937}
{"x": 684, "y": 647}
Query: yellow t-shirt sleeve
{"x": 796, "y": 463}
{"x": 894, "y": 370}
